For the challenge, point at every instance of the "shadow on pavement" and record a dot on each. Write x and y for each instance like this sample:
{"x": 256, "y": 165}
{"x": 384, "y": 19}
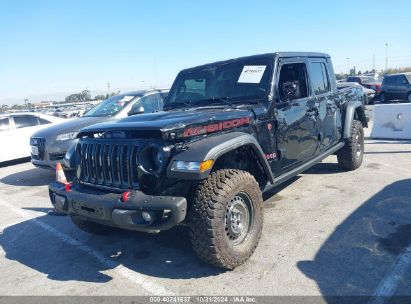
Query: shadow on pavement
{"x": 14, "y": 162}
{"x": 325, "y": 168}
{"x": 362, "y": 250}
{"x": 165, "y": 255}
{"x": 33, "y": 178}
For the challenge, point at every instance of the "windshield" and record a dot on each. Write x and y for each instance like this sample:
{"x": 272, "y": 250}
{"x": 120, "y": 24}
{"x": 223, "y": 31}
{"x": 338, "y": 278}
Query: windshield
{"x": 234, "y": 82}
{"x": 111, "y": 106}
{"x": 408, "y": 76}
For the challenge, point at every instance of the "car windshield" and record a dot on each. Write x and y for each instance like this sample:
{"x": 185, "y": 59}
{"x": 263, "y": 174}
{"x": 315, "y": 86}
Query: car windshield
{"x": 408, "y": 76}
{"x": 111, "y": 106}
{"x": 223, "y": 83}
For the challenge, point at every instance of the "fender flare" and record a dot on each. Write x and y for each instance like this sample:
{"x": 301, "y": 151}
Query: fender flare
{"x": 213, "y": 147}
{"x": 350, "y": 110}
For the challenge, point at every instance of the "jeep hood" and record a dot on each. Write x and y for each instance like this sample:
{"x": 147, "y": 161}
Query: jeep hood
{"x": 183, "y": 123}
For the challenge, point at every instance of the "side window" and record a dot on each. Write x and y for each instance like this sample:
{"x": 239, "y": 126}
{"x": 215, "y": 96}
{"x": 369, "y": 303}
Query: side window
{"x": 401, "y": 79}
{"x": 4, "y": 124}
{"x": 387, "y": 80}
{"x": 319, "y": 78}
{"x": 192, "y": 89}
{"x": 44, "y": 121}
{"x": 24, "y": 121}
{"x": 151, "y": 103}
{"x": 293, "y": 82}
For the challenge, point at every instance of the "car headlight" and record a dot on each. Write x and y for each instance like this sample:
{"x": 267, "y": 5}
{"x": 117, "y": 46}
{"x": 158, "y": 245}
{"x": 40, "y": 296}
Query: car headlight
{"x": 153, "y": 158}
{"x": 189, "y": 166}
{"x": 67, "y": 136}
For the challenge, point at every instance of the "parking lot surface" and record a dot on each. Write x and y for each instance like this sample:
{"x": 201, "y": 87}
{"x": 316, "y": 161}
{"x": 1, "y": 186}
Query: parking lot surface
{"x": 326, "y": 232}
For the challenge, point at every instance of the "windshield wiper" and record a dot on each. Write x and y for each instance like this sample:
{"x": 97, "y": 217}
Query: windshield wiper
{"x": 176, "y": 104}
{"x": 213, "y": 100}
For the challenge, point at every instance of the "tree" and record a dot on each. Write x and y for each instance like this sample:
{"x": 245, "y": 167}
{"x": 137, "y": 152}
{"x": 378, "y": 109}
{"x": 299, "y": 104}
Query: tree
{"x": 112, "y": 94}
{"x": 79, "y": 97}
{"x": 99, "y": 97}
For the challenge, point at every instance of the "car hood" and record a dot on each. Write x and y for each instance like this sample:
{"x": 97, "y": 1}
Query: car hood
{"x": 67, "y": 126}
{"x": 183, "y": 123}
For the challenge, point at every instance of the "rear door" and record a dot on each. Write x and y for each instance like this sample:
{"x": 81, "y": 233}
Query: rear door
{"x": 325, "y": 99}
{"x": 401, "y": 87}
{"x": 25, "y": 126}
{"x": 297, "y": 126}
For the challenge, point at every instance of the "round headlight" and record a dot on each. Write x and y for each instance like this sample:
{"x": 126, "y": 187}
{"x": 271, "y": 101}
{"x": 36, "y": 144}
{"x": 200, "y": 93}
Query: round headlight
{"x": 152, "y": 159}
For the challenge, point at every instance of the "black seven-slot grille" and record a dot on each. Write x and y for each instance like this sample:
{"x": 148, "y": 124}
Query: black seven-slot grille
{"x": 108, "y": 163}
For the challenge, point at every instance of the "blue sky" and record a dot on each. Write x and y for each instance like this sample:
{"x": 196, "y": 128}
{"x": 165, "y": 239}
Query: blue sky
{"x": 49, "y": 49}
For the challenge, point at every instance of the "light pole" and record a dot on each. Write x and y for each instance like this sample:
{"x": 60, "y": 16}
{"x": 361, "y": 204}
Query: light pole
{"x": 348, "y": 64}
{"x": 386, "y": 57}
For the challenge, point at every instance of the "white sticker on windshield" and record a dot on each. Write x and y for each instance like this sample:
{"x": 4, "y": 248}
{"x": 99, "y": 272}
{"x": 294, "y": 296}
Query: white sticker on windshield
{"x": 126, "y": 98}
{"x": 252, "y": 74}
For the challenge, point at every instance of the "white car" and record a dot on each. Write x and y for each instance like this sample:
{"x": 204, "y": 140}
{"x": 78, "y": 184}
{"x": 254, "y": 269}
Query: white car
{"x": 16, "y": 130}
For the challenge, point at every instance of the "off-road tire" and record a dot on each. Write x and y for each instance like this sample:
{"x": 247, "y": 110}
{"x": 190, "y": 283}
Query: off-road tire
{"x": 213, "y": 200}
{"x": 90, "y": 227}
{"x": 351, "y": 155}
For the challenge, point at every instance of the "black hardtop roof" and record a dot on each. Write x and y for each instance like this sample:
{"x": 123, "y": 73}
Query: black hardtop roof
{"x": 261, "y": 56}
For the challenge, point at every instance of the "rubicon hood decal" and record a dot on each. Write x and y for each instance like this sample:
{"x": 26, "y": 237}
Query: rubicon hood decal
{"x": 182, "y": 124}
{"x": 215, "y": 127}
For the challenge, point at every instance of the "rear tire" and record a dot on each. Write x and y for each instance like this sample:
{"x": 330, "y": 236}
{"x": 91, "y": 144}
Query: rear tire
{"x": 383, "y": 97}
{"x": 226, "y": 218}
{"x": 90, "y": 227}
{"x": 351, "y": 155}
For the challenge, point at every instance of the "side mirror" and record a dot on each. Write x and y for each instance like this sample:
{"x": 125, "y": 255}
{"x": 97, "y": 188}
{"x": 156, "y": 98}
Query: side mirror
{"x": 135, "y": 111}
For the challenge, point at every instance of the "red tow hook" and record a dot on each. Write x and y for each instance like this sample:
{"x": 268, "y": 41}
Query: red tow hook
{"x": 68, "y": 186}
{"x": 125, "y": 196}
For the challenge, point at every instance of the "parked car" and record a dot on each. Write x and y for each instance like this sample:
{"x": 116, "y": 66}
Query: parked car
{"x": 229, "y": 131}
{"x": 368, "y": 82}
{"x": 396, "y": 86}
{"x": 16, "y": 130}
{"x": 54, "y": 142}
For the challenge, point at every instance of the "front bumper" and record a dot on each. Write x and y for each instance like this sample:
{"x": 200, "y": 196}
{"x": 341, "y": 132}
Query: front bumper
{"x": 53, "y": 152}
{"x": 108, "y": 208}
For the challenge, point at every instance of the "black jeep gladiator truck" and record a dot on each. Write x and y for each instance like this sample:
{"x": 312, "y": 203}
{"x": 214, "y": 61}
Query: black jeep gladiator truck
{"x": 229, "y": 131}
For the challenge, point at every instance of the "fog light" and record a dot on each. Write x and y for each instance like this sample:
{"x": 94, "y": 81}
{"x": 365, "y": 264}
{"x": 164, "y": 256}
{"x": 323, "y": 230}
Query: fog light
{"x": 146, "y": 216}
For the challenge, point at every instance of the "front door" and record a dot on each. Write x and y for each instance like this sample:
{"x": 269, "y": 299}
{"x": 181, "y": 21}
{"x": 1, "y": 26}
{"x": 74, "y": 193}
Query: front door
{"x": 296, "y": 115}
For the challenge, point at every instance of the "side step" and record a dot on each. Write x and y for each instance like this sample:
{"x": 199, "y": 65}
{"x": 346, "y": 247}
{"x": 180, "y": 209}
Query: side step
{"x": 304, "y": 167}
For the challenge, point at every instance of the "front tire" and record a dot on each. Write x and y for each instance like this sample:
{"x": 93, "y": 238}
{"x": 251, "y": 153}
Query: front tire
{"x": 226, "y": 218}
{"x": 90, "y": 227}
{"x": 409, "y": 97}
{"x": 351, "y": 155}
